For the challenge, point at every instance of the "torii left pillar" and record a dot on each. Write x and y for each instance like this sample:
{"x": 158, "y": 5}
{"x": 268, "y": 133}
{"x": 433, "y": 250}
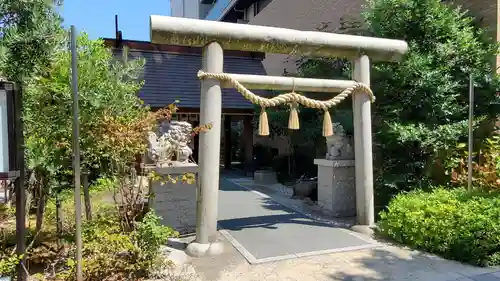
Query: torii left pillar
{"x": 209, "y": 156}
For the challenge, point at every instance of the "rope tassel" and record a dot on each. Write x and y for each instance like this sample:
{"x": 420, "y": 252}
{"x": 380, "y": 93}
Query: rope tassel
{"x": 293, "y": 120}
{"x": 263, "y": 123}
{"x": 327, "y": 124}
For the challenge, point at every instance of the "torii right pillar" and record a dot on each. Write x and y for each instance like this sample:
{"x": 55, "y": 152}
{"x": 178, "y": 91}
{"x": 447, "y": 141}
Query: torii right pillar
{"x": 365, "y": 206}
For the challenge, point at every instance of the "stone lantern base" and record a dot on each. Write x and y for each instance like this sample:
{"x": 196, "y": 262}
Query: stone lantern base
{"x": 337, "y": 187}
{"x": 175, "y": 202}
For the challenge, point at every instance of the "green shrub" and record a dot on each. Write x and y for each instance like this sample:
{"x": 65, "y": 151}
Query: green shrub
{"x": 452, "y": 223}
{"x": 150, "y": 235}
{"x": 110, "y": 253}
{"x": 8, "y": 264}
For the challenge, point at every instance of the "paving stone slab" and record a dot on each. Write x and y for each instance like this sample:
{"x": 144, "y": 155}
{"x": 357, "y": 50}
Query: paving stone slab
{"x": 264, "y": 231}
{"x": 485, "y": 277}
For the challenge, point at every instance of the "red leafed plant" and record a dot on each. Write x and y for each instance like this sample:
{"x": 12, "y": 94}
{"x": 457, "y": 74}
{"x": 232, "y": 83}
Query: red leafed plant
{"x": 485, "y": 166}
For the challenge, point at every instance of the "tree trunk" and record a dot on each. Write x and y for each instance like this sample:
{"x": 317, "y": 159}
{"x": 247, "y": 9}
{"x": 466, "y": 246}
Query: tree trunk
{"x": 59, "y": 215}
{"x": 86, "y": 197}
{"x": 11, "y": 194}
{"x": 28, "y": 206}
{"x": 30, "y": 190}
{"x": 9, "y": 190}
{"x": 5, "y": 191}
{"x": 40, "y": 210}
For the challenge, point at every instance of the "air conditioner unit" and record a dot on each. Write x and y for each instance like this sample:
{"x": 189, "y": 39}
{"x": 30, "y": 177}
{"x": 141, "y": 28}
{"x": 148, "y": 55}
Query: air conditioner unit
{"x": 241, "y": 21}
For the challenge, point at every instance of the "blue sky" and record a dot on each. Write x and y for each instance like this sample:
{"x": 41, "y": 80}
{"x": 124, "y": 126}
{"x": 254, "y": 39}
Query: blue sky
{"x": 97, "y": 17}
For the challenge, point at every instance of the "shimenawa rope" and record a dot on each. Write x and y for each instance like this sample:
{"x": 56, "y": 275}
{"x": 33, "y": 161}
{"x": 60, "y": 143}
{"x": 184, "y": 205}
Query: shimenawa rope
{"x": 291, "y": 98}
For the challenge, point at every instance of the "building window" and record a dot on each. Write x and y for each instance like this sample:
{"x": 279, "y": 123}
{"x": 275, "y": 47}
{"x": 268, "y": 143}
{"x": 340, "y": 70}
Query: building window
{"x": 255, "y": 8}
{"x": 261, "y": 5}
{"x": 249, "y": 13}
{"x": 246, "y": 15}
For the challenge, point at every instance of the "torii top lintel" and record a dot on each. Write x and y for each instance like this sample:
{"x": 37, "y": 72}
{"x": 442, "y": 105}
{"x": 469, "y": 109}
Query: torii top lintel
{"x": 245, "y": 37}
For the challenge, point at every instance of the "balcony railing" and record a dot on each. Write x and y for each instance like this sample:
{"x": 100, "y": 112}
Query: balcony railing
{"x": 220, "y": 7}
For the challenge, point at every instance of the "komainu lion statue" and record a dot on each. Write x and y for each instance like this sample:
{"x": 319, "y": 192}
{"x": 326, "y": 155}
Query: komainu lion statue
{"x": 173, "y": 143}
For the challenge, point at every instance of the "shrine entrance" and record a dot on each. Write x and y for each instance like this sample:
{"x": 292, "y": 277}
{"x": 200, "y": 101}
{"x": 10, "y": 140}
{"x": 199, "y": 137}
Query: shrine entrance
{"x": 215, "y": 37}
{"x": 227, "y": 151}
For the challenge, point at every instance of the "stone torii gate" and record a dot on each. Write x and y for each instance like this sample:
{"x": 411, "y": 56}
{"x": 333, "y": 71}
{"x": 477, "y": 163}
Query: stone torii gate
{"x": 214, "y": 37}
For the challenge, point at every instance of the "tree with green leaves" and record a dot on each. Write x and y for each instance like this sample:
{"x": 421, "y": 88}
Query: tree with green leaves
{"x": 421, "y": 110}
{"x": 30, "y": 30}
{"x": 107, "y": 88}
{"x": 106, "y": 85}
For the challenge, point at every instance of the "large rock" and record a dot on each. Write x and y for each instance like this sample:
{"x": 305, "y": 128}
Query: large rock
{"x": 304, "y": 189}
{"x": 265, "y": 177}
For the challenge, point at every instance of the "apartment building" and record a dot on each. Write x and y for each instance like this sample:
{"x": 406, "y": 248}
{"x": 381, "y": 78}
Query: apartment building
{"x": 194, "y": 9}
{"x": 295, "y": 14}
{"x": 312, "y": 14}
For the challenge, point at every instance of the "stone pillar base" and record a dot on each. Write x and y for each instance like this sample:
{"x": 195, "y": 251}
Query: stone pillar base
{"x": 197, "y": 250}
{"x": 368, "y": 230}
{"x": 336, "y": 187}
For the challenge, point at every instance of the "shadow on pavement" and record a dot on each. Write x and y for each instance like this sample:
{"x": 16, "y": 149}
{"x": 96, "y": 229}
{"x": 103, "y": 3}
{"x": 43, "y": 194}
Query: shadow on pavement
{"x": 269, "y": 222}
{"x": 395, "y": 264}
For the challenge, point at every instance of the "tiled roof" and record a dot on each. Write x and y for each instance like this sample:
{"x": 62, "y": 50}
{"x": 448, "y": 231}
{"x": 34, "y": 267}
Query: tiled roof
{"x": 172, "y": 76}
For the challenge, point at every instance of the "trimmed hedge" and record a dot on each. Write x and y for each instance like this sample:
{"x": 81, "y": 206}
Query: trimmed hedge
{"x": 453, "y": 223}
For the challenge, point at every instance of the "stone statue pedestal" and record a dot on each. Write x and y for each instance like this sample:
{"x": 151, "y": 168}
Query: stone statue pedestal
{"x": 175, "y": 202}
{"x": 337, "y": 187}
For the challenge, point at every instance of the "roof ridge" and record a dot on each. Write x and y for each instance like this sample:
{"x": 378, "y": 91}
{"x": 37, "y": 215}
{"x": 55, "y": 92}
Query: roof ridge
{"x": 164, "y": 48}
{"x": 189, "y": 54}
